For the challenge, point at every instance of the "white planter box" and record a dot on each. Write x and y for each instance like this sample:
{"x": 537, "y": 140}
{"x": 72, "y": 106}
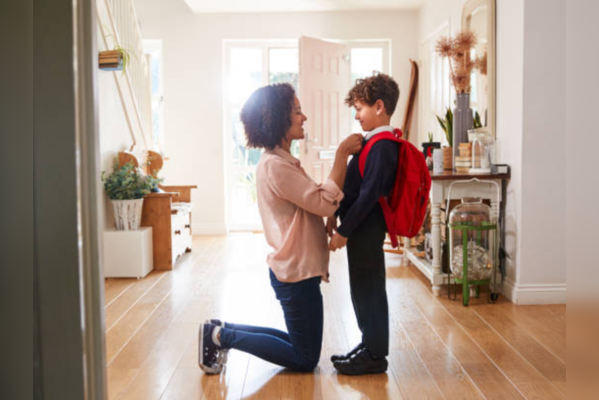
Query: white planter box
{"x": 128, "y": 254}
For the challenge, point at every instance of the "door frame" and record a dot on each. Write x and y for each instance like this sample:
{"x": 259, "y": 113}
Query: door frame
{"x": 68, "y": 218}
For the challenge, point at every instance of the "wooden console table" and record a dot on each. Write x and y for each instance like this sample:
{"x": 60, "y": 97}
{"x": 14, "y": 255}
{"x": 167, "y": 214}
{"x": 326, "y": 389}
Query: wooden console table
{"x": 169, "y": 214}
{"x": 439, "y": 192}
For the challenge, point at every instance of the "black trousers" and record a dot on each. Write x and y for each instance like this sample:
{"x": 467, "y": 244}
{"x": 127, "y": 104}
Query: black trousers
{"x": 367, "y": 281}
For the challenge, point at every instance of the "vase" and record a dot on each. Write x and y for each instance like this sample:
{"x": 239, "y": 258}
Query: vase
{"x": 447, "y": 158}
{"x": 462, "y": 121}
{"x": 127, "y": 214}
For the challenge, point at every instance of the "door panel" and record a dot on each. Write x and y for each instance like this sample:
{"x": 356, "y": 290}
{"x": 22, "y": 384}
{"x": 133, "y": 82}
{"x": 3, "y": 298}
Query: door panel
{"x": 324, "y": 81}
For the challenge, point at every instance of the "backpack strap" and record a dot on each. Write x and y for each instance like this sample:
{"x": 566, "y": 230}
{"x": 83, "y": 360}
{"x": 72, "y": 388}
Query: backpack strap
{"x": 387, "y": 212}
{"x": 386, "y": 135}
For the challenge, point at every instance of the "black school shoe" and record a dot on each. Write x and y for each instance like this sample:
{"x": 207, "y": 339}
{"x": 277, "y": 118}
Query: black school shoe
{"x": 208, "y": 351}
{"x": 362, "y": 363}
{"x": 342, "y": 357}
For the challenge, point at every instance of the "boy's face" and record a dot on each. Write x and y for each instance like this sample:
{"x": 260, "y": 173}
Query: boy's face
{"x": 368, "y": 116}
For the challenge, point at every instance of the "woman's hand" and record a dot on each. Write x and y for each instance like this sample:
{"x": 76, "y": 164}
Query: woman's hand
{"x": 352, "y": 144}
{"x": 331, "y": 226}
{"x": 337, "y": 242}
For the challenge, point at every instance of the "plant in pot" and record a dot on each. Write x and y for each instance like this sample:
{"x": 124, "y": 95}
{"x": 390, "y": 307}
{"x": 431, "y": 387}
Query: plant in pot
{"x": 447, "y": 125}
{"x": 116, "y": 59}
{"x": 126, "y": 187}
{"x": 427, "y": 149}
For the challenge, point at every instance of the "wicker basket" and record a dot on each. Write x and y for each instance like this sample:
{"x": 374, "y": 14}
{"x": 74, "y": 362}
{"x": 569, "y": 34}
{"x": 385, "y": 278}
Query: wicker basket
{"x": 127, "y": 214}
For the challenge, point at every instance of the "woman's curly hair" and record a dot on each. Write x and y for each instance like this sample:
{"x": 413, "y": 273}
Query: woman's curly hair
{"x": 369, "y": 90}
{"x": 266, "y": 115}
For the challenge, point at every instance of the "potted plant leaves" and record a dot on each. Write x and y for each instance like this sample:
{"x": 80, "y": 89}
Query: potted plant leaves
{"x": 126, "y": 187}
{"x": 447, "y": 125}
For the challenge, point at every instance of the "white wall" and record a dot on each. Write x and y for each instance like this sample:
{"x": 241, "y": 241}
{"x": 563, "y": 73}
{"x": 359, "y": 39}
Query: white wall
{"x": 509, "y": 98}
{"x": 582, "y": 103}
{"x": 530, "y": 103}
{"x": 544, "y": 127}
{"x": 118, "y": 129}
{"x": 436, "y": 12}
{"x": 193, "y": 70}
{"x": 114, "y": 130}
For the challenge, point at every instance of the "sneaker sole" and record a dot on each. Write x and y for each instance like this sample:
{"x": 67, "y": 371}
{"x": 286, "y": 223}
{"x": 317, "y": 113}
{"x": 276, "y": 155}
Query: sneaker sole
{"x": 380, "y": 370}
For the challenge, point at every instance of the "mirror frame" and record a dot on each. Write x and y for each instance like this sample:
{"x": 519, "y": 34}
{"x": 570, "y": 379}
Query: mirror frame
{"x": 467, "y": 10}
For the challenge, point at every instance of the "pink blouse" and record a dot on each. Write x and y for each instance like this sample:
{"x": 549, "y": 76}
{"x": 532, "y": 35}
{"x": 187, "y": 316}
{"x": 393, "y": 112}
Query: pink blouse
{"x": 292, "y": 207}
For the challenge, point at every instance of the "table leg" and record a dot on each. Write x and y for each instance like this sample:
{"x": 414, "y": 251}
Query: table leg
{"x": 436, "y": 233}
{"x": 407, "y": 246}
{"x": 494, "y": 211}
{"x": 495, "y": 249}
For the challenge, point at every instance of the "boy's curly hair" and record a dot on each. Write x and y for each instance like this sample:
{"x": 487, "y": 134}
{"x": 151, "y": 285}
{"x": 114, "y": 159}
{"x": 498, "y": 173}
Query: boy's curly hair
{"x": 266, "y": 115}
{"x": 369, "y": 90}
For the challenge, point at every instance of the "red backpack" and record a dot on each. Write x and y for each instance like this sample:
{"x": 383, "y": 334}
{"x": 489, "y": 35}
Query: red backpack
{"x": 405, "y": 207}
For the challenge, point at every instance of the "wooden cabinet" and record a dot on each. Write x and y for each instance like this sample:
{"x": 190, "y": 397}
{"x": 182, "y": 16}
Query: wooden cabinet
{"x": 169, "y": 215}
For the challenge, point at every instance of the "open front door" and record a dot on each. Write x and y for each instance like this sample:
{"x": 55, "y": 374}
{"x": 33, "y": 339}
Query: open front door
{"x": 323, "y": 84}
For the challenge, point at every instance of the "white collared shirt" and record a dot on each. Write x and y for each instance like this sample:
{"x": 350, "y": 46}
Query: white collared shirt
{"x": 380, "y": 129}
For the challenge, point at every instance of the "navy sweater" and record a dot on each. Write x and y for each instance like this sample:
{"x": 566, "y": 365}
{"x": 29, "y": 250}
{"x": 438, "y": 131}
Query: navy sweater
{"x": 362, "y": 195}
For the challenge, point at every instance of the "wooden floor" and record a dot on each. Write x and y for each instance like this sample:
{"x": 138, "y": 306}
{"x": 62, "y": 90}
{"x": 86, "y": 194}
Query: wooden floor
{"x": 438, "y": 350}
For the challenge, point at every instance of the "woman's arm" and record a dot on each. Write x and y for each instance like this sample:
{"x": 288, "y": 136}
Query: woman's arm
{"x": 351, "y": 145}
{"x": 288, "y": 182}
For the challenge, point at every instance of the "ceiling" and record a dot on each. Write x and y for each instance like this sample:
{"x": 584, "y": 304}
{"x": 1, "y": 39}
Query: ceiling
{"x": 244, "y": 6}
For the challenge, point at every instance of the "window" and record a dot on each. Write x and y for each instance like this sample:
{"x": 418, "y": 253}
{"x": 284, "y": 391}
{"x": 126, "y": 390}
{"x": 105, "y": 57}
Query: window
{"x": 366, "y": 58}
{"x": 248, "y": 67}
{"x": 154, "y": 49}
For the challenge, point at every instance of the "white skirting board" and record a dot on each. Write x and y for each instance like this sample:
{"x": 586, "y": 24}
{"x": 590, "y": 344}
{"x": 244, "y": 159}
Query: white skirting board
{"x": 535, "y": 293}
{"x": 208, "y": 229}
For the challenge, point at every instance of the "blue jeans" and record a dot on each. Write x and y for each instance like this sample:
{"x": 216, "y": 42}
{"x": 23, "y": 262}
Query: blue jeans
{"x": 299, "y": 348}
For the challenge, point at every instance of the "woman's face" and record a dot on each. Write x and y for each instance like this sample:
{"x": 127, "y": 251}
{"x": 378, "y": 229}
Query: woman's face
{"x": 296, "y": 130}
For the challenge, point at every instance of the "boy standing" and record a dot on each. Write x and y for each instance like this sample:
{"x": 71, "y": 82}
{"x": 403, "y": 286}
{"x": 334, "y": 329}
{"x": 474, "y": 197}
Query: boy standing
{"x": 363, "y": 226}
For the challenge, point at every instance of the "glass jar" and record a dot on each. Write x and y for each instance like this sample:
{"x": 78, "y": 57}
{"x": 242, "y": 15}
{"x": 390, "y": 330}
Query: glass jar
{"x": 472, "y": 241}
{"x": 483, "y": 148}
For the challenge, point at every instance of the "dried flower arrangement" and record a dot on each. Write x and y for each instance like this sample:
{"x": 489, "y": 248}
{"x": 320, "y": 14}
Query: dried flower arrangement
{"x": 458, "y": 49}
{"x": 481, "y": 63}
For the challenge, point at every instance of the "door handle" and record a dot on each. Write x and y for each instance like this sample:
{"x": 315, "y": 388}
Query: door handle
{"x": 308, "y": 140}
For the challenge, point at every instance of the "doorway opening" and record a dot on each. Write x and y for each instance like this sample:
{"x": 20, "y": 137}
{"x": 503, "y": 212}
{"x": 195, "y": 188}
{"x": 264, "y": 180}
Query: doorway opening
{"x": 248, "y": 65}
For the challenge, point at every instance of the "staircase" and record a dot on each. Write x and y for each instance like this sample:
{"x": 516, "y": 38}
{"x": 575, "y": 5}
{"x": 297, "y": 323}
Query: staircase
{"x": 118, "y": 26}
